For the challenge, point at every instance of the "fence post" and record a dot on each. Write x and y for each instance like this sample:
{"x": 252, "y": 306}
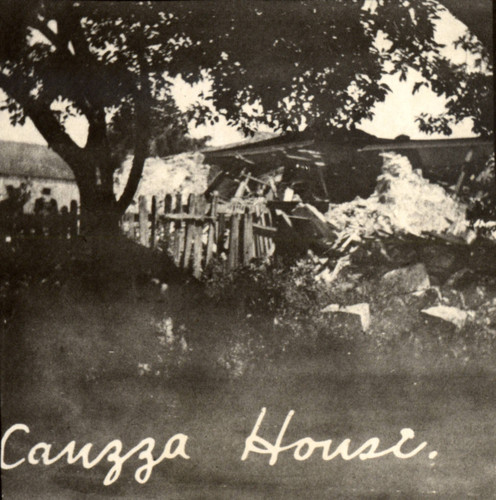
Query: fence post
{"x": 73, "y": 220}
{"x": 270, "y": 241}
{"x": 265, "y": 240}
{"x": 257, "y": 237}
{"x": 167, "y": 225}
{"x": 198, "y": 236}
{"x": 153, "y": 223}
{"x": 247, "y": 236}
{"x": 179, "y": 231}
{"x": 221, "y": 229}
{"x": 232, "y": 260}
{"x": 190, "y": 225}
{"x": 143, "y": 222}
{"x": 211, "y": 228}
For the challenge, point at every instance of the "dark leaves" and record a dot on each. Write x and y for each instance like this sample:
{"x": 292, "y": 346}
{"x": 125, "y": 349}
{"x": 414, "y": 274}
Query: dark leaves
{"x": 417, "y": 86}
{"x": 292, "y": 62}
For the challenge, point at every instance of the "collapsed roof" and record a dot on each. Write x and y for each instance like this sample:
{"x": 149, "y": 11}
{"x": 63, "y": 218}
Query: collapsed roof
{"x": 345, "y": 164}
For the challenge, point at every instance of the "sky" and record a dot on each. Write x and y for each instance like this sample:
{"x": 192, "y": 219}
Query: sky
{"x": 395, "y": 116}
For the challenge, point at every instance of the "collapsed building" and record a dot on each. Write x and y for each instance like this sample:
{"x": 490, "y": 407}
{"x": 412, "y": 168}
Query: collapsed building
{"x": 342, "y": 186}
{"x": 336, "y": 167}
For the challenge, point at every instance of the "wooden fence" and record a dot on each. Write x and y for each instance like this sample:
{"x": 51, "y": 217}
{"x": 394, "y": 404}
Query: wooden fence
{"x": 21, "y": 226}
{"x": 195, "y": 232}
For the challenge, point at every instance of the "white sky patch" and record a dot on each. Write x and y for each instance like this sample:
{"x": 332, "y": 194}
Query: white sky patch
{"x": 27, "y": 133}
{"x": 396, "y": 115}
{"x": 78, "y": 127}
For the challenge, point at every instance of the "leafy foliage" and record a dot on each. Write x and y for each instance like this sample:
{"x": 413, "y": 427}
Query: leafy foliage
{"x": 281, "y": 64}
{"x": 469, "y": 86}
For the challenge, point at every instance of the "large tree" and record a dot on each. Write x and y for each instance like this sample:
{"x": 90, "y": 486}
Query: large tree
{"x": 279, "y": 63}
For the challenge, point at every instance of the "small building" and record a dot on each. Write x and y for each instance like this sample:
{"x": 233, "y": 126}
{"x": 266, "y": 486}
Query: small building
{"x": 40, "y": 168}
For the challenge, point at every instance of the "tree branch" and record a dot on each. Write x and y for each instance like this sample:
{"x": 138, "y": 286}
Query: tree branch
{"x": 47, "y": 124}
{"x": 142, "y": 131}
{"x": 476, "y": 15}
{"x": 50, "y": 35}
{"x": 67, "y": 58}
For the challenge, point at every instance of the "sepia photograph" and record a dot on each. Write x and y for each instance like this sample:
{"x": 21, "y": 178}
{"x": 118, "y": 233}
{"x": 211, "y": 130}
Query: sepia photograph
{"x": 247, "y": 249}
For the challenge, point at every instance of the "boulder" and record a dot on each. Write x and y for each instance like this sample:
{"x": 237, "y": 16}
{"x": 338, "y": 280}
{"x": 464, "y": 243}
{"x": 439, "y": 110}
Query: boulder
{"x": 454, "y": 315}
{"x": 362, "y": 310}
{"x": 405, "y": 280}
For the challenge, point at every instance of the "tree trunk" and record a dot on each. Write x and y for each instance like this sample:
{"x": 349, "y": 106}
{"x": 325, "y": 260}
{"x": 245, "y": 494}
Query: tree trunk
{"x": 100, "y": 211}
{"x": 99, "y": 214}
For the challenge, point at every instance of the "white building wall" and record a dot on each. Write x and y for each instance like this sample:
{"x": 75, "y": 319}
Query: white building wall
{"x": 63, "y": 191}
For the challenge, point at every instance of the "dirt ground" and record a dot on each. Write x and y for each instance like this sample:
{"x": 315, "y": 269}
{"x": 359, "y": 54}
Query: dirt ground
{"x": 78, "y": 365}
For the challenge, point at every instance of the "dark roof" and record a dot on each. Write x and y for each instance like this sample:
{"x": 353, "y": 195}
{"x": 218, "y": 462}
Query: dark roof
{"x": 22, "y": 159}
{"x": 429, "y": 143}
{"x": 326, "y": 148}
{"x": 341, "y": 165}
{"x": 293, "y": 140}
{"x": 257, "y": 138}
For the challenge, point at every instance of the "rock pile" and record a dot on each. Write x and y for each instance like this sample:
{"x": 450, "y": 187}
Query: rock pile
{"x": 404, "y": 202}
{"x": 185, "y": 173}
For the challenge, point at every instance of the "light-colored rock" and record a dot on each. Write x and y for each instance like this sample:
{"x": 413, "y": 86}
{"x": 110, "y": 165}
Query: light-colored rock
{"x": 362, "y": 310}
{"x": 327, "y": 276}
{"x": 454, "y": 315}
{"x": 331, "y": 308}
{"x": 403, "y": 202}
{"x": 406, "y": 279}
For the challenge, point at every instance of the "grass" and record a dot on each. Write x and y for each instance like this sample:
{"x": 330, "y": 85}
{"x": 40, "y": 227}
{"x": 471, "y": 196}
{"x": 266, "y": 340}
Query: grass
{"x": 93, "y": 363}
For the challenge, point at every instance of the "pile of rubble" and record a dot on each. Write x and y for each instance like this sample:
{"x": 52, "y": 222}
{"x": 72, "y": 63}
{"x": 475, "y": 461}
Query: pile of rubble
{"x": 410, "y": 293}
{"x": 429, "y": 229}
{"x": 184, "y": 173}
{"x": 404, "y": 202}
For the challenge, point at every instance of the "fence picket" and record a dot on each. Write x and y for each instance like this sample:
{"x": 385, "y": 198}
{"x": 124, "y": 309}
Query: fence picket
{"x": 221, "y": 232}
{"x": 190, "y": 229}
{"x": 198, "y": 236}
{"x": 211, "y": 228}
{"x": 167, "y": 226}
{"x": 257, "y": 237}
{"x": 143, "y": 222}
{"x": 178, "y": 231}
{"x": 233, "y": 257}
{"x": 73, "y": 222}
{"x": 248, "y": 244}
{"x": 153, "y": 223}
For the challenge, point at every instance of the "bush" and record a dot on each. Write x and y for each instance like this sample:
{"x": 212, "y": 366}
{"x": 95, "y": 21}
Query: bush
{"x": 286, "y": 302}
{"x": 283, "y": 308}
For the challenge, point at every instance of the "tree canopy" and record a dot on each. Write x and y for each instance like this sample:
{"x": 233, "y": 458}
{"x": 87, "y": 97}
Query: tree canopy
{"x": 278, "y": 63}
{"x": 468, "y": 86}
